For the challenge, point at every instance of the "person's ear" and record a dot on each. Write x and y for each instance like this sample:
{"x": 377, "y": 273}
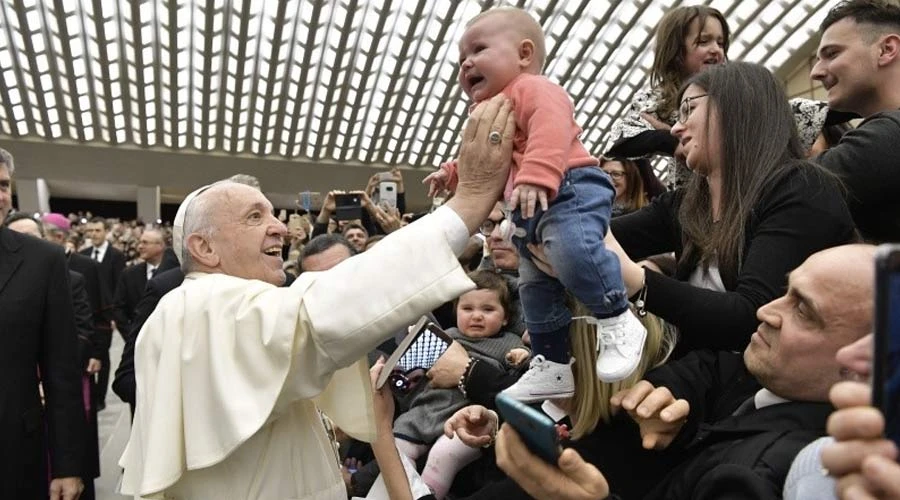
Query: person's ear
{"x": 201, "y": 251}
{"x": 889, "y": 49}
{"x": 526, "y": 53}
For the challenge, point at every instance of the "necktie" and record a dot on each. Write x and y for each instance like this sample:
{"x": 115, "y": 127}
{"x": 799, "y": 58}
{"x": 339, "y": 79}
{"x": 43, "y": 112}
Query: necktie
{"x": 153, "y": 271}
{"x": 97, "y": 254}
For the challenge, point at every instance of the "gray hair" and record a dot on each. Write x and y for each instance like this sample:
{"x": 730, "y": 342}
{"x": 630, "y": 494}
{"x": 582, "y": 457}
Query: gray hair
{"x": 198, "y": 219}
{"x": 7, "y": 159}
{"x": 246, "y": 179}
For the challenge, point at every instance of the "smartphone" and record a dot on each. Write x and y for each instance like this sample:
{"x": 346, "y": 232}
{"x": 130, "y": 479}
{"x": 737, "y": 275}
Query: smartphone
{"x": 348, "y": 206}
{"x": 308, "y": 200}
{"x": 387, "y": 193}
{"x": 886, "y": 364}
{"x": 419, "y": 350}
{"x": 537, "y": 429}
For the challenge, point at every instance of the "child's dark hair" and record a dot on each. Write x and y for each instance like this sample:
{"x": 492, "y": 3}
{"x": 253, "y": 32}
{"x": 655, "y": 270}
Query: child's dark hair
{"x": 489, "y": 280}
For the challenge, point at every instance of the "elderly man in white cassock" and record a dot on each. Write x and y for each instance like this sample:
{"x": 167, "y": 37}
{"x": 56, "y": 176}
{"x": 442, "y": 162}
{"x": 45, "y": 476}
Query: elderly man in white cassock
{"x": 230, "y": 367}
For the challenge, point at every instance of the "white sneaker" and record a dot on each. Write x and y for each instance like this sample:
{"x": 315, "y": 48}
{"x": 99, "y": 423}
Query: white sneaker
{"x": 544, "y": 380}
{"x": 620, "y": 343}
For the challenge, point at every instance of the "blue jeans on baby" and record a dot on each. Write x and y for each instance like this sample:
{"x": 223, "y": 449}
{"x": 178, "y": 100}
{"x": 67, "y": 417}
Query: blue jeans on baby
{"x": 571, "y": 231}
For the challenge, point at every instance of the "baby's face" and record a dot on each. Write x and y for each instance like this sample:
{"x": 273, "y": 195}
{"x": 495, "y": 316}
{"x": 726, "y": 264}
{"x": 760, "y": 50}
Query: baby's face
{"x": 489, "y": 58}
{"x": 480, "y": 314}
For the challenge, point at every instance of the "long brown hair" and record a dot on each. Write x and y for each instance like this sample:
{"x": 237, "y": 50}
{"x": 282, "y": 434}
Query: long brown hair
{"x": 667, "y": 73}
{"x": 635, "y": 197}
{"x": 742, "y": 95}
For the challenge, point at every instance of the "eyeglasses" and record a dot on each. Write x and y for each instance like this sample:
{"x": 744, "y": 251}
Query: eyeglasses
{"x": 684, "y": 111}
{"x": 487, "y": 227}
{"x": 615, "y": 174}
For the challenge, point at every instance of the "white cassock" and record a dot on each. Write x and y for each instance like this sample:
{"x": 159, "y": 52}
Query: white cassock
{"x": 229, "y": 371}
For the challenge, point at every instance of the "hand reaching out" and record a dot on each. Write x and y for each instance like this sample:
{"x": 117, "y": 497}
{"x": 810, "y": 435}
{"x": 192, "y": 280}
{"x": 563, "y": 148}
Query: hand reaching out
{"x": 436, "y": 182}
{"x": 658, "y": 414}
{"x": 383, "y": 400}
{"x": 328, "y": 204}
{"x": 528, "y": 197}
{"x": 517, "y": 356}
{"x": 475, "y": 425}
{"x": 388, "y": 218}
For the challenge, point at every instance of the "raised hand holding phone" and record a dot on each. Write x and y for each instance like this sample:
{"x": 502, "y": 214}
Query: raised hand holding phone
{"x": 537, "y": 429}
{"x": 886, "y": 363}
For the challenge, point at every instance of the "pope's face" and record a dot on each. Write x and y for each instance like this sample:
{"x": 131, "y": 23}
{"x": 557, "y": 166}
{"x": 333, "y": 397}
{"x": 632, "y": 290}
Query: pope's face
{"x": 247, "y": 237}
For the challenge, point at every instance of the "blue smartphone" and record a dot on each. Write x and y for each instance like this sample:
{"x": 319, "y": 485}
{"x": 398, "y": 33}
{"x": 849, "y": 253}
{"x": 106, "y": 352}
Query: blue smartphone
{"x": 537, "y": 429}
{"x": 886, "y": 363}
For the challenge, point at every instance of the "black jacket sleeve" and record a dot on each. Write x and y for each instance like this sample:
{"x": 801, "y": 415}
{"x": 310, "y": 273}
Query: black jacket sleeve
{"x": 121, "y": 314}
{"x": 85, "y": 329}
{"x": 713, "y": 383}
{"x": 60, "y": 373}
{"x": 646, "y": 143}
{"x": 651, "y": 230}
{"x": 866, "y": 161}
{"x": 485, "y": 380}
{"x": 124, "y": 383}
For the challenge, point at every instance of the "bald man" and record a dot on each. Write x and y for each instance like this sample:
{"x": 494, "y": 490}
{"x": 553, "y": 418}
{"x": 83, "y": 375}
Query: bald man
{"x": 130, "y": 289}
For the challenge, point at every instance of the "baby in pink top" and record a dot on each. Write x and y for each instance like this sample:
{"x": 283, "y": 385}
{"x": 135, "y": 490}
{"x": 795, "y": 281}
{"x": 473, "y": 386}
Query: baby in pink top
{"x": 560, "y": 199}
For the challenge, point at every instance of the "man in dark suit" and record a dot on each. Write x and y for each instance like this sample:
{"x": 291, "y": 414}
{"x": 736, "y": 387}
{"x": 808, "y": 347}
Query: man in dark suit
{"x": 166, "y": 280}
{"x": 112, "y": 263}
{"x": 130, "y": 289}
{"x": 84, "y": 325}
{"x": 38, "y": 326}
{"x": 56, "y": 230}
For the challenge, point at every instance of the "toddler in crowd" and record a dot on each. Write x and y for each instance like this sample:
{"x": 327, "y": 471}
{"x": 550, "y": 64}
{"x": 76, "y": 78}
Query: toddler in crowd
{"x": 481, "y": 316}
{"x": 688, "y": 39}
{"x": 564, "y": 202}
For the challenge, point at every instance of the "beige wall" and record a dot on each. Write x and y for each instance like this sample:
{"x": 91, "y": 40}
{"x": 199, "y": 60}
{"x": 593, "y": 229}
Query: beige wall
{"x": 103, "y": 172}
{"x": 798, "y": 83}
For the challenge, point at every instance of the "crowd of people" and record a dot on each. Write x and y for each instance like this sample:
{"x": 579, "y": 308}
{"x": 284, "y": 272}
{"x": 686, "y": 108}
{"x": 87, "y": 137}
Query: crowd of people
{"x": 703, "y": 335}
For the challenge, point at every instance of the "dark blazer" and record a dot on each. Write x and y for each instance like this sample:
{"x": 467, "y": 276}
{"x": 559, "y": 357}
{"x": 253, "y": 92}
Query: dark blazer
{"x": 85, "y": 328}
{"x": 722, "y": 455}
{"x": 165, "y": 281}
{"x": 110, "y": 268}
{"x": 129, "y": 291}
{"x": 98, "y": 300}
{"x": 37, "y": 324}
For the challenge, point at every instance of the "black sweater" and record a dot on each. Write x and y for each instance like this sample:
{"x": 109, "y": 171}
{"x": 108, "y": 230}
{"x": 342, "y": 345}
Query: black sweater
{"x": 798, "y": 215}
{"x": 868, "y": 162}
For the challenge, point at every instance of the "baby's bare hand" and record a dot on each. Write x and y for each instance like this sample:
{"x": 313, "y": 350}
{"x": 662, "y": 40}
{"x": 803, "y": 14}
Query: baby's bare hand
{"x": 527, "y": 197}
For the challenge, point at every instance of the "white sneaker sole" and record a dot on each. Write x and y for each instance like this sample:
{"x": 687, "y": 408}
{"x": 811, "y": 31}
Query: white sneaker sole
{"x": 534, "y": 397}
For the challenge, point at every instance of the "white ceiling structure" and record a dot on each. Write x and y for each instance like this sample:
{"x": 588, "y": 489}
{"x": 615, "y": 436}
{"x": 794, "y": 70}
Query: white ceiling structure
{"x": 370, "y": 83}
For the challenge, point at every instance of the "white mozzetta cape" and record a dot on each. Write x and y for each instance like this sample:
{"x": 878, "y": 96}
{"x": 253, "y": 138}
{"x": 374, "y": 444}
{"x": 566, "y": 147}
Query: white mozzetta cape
{"x": 229, "y": 371}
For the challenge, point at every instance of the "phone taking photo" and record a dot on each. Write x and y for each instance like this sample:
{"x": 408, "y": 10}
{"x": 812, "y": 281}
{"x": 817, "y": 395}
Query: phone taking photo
{"x": 348, "y": 206}
{"x": 886, "y": 363}
{"x": 536, "y": 428}
{"x": 415, "y": 354}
